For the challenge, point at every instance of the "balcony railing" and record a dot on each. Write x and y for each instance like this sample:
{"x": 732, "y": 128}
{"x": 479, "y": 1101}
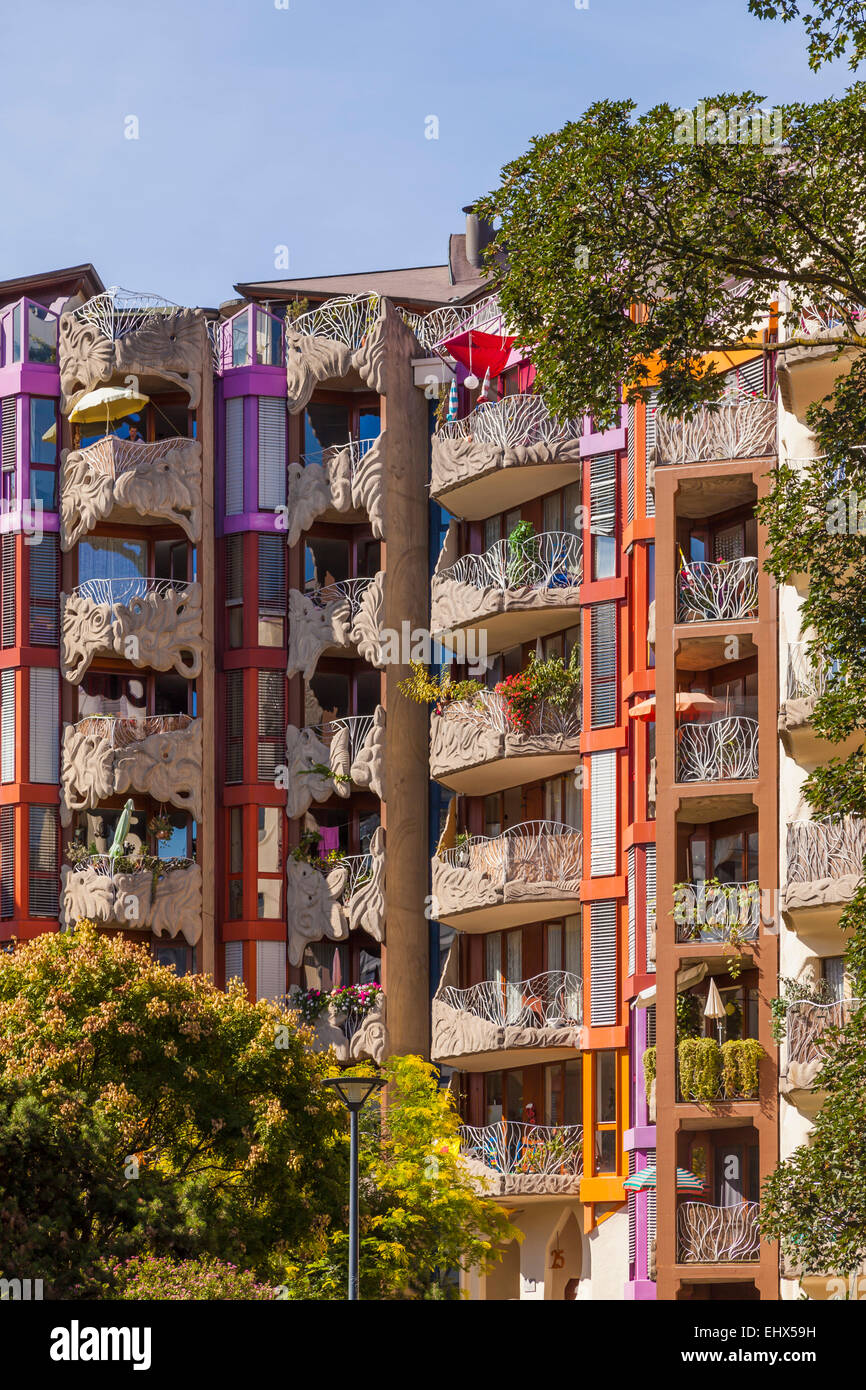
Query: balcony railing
{"x": 724, "y": 750}
{"x": 448, "y": 320}
{"x": 715, "y": 592}
{"x": 533, "y": 852}
{"x": 717, "y": 1235}
{"x": 116, "y": 311}
{"x": 717, "y": 912}
{"x": 825, "y": 849}
{"x": 345, "y": 319}
{"x": 352, "y": 590}
{"x": 120, "y": 593}
{"x": 357, "y": 726}
{"x": 818, "y": 317}
{"x": 355, "y": 449}
{"x": 809, "y": 1028}
{"x": 808, "y": 672}
{"x": 488, "y": 710}
{"x": 113, "y": 457}
{"x": 740, "y": 427}
{"x": 106, "y": 867}
{"x": 551, "y": 560}
{"x": 551, "y": 1000}
{"x": 515, "y": 1150}
{"x": 511, "y": 422}
{"x": 123, "y": 731}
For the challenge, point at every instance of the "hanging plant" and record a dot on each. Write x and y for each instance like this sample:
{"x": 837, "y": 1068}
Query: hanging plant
{"x": 741, "y": 1059}
{"x": 700, "y": 1063}
{"x": 649, "y": 1070}
{"x": 322, "y": 770}
{"x": 160, "y": 827}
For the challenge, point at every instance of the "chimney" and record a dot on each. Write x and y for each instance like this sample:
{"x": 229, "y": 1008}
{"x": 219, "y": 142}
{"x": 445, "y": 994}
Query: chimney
{"x": 479, "y": 234}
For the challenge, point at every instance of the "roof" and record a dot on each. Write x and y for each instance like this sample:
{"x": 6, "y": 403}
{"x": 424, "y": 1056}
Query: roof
{"x": 52, "y": 284}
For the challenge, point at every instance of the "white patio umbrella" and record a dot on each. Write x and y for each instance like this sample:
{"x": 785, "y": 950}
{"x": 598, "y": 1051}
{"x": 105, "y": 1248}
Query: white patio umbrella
{"x": 714, "y": 1008}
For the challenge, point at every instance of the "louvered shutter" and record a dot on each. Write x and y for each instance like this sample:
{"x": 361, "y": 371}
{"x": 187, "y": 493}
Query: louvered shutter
{"x": 7, "y": 861}
{"x": 650, "y": 1209}
{"x": 650, "y": 853}
{"x": 234, "y": 960}
{"x": 632, "y": 913}
{"x": 43, "y": 862}
{"x": 602, "y": 495}
{"x": 651, "y": 1026}
{"x": 270, "y": 969}
{"x": 272, "y": 453}
{"x": 45, "y": 591}
{"x": 234, "y": 569}
{"x": 650, "y": 413}
{"x": 602, "y": 804}
{"x": 234, "y": 456}
{"x": 8, "y": 443}
{"x": 632, "y": 1212}
{"x": 603, "y": 664}
{"x": 272, "y": 575}
{"x": 235, "y": 726}
{"x": 44, "y": 724}
{"x": 631, "y": 452}
{"x": 272, "y": 723}
{"x": 7, "y": 579}
{"x": 602, "y": 949}
{"x": 7, "y": 727}
{"x": 749, "y": 378}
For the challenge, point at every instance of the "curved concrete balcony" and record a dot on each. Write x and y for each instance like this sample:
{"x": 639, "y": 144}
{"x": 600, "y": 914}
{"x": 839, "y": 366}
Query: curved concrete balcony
{"x": 120, "y": 480}
{"x": 475, "y": 748}
{"x": 512, "y": 592}
{"x": 529, "y": 873}
{"x": 344, "y": 618}
{"x": 356, "y": 1034}
{"x": 120, "y": 332}
{"x": 740, "y": 427}
{"x": 807, "y": 370}
{"x": 497, "y": 1023}
{"x": 824, "y": 869}
{"x": 164, "y": 899}
{"x": 503, "y": 454}
{"x": 512, "y": 1159}
{"x": 726, "y": 591}
{"x": 343, "y": 482}
{"x": 159, "y": 756}
{"x": 325, "y": 903}
{"x": 355, "y": 339}
{"x": 710, "y": 1235}
{"x": 722, "y": 750}
{"x": 810, "y": 675}
{"x": 811, "y": 1032}
{"x": 150, "y": 622}
{"x": 326, "y": 760}
{"x": 718, "y": 912}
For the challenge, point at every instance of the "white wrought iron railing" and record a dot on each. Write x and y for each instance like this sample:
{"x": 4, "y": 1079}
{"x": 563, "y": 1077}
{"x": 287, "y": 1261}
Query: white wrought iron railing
{"x": 551, "y": 560}
{"x": 740, "y": 427}
{"x": 352, "y": 590}
{"x": 117, "y": 593}
{"x": 718, "y": 1235}
{"x": 553, "y": 999}
{"x": 515, "y": 1149}
{"x": 347, "y": 319}
{"x": 489, "y": 710}
{"x": 116, "y": 312}
{"x": 357, "y": 450}
{"x": 810, "y": 1028}
{"x": 534, "y": 852}
{"x": 712, "y": 591}
{"x": 723, "y": 750}
{"x": 114, "y": 457}
{"x": 510, "y": 422}
{"x": 122, "y": 730}
{"x": 809, "y": 672}
{"x": 717, "y": 911}
{"x": 833, "y": 847}
{"x": 359, "y": 870}
{"x": 433, "y": 328}
{"x": 357, "y": 725}
{"x": 831, "y": 311}
{"x": 105, "y": 865}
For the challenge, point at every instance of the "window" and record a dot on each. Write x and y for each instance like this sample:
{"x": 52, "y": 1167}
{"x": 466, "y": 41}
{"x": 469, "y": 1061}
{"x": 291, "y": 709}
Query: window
{"x": 503, "y": 953}
{"x": 43, "y": 861}
{"x": 503, "y": 1096}
{"x": 9, "y": 449}
{"x": 602, "y": 805}
{"x": 269, "y": 887}
{"x": 236, "y": 863}
{"x": 602, "y": 976}
{"x": 602, "y": 515}
{"x": 562, "y": 1092}
{"x": 43, "y": 452}
{"x": 325, "y": 426}
{"x": 272, "y": 723}
{"x": 235, "y": 590}
{"x": 234, "y": 453}
{"x": 234, "y": 726}
{"x": 7, "y": 726}
{"x": 270, "y": 969}
{"x": 241, "y": 339}
{"x": 45, "y": 591}
{"x": 234, "y": 958}
{"x": 41, "y": 335}
{"x": 177, "y": 958}
{"x": 605, "y": 1112}
{"x": 111, "y": 557}
{"x": 272, "y": 453}
{"x": 272, "y": 591}
{"x": 7, "y": 591}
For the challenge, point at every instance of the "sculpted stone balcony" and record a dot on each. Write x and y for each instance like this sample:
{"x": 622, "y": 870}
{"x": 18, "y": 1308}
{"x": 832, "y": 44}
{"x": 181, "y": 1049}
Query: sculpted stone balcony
{"x": 343, "y": 618}
{"x": 352, "y": 1021}
{"x": 476, "y": 749}
{"x": 325, "y": 902}
{"x": 726, "y": 591}
{"x": 810, "y": 676}
{"x": 718, "y": 1235}
{"x": 824, "y": 868}
{"x": 513, "y": 592}
{"x": 121, "y": 333}
{"x": 120, "y": 480}
{"x": 359, "y": 340}
{"x": 150, "y": 622}
{"x": 811, "y": 1032}
{"x": 340, "y": 483}
{"x": 740, "y": 427}
{"x": 721, "y": 750}
{"x": 529, "y": 873}
{"x": 159, "y": 756}
{"x": 505, "y": 1023}
{"x": 512, "y": 1159}
{"x": 326, "y": 760}
{"x": 808, "y": 368}
{"x": 164, "y": 897}
{"x": 717, "y": 912}
{"x": 503, "y": 454}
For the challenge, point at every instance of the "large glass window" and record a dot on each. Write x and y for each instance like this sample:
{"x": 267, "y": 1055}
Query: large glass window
{"x": 109, "y": 557}
{"x": 43, "y": 452}
{"x": 42, "y": 334}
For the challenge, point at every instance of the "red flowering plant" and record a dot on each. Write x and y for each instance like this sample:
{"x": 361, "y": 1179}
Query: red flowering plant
{"x": 552, "y": 681}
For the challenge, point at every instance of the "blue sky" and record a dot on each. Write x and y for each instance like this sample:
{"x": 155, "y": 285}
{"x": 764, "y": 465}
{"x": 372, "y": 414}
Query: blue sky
{"x": 304, "y": 127}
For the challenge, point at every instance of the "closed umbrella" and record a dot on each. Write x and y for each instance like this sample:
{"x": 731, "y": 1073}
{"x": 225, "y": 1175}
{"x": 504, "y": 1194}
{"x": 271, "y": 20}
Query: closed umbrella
{"x": 121, "y": 832}
{"x": 714, "y": 1008}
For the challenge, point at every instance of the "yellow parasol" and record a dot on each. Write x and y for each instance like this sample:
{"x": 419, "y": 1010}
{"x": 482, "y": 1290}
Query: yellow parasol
{"x": 107, "y": 403}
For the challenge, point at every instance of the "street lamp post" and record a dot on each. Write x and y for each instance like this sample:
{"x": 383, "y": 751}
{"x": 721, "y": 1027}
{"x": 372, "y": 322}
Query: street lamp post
{"x": 354, "y": 1092}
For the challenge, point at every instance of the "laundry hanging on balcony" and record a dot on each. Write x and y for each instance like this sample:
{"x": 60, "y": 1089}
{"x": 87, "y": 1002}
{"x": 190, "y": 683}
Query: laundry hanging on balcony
{"x": 479, "y": 352}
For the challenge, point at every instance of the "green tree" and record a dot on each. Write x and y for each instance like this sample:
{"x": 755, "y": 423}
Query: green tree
{"x": 834, "y": 27}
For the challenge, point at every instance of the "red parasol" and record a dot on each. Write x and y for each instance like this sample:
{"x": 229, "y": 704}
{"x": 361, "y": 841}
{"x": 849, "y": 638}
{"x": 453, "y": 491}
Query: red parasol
{"x": 480, "y": 352}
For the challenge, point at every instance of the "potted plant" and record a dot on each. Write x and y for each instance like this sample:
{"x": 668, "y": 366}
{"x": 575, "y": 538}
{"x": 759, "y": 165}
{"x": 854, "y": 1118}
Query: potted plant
{"x": 160, "y": 827}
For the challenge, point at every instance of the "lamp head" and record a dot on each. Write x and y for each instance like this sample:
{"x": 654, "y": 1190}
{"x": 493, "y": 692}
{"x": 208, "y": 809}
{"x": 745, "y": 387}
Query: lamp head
{"x": 354, "y": 1091}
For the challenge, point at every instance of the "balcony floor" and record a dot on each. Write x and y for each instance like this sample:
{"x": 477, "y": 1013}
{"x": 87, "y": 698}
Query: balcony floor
{"x": 502, "y": 773}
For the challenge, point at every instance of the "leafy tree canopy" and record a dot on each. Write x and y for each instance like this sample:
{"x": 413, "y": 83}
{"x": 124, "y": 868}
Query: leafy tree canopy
{"x": 834, "y": 27}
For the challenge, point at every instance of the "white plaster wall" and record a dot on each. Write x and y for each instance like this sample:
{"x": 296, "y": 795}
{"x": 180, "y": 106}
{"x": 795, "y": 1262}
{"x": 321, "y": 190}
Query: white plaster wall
{"x": 606, "y": 1270}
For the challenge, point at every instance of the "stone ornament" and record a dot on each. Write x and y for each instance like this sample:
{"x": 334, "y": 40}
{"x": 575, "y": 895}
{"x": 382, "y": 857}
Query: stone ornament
{"x": 165, "y": 765}
{"x": 388, "y": 346}
{"x": 368, "y": 769}
{"x": 339, "y": 484}
{"x": 157, "y": 629}
{"x": 313, "y": 908}
{"x": 173, "y": 346}
{"x": 305, "y": 749}
{"x": 457, "y": 461}
{"x": 314, "y": 629}
{"x": 153, "y": 480}
{"x": 369, "y": 622}
{"x": 366, "y": 906}
{"x": 129, "y": 900}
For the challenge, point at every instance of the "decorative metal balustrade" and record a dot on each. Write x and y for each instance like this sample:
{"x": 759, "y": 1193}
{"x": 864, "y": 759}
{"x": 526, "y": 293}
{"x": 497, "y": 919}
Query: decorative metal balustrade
{"x": 106, "y": 866}
{"x": 356, "y": 449}
{"x": 122, "y": 730}
{"x": 818, "y": 317}
{"x": 810, "y": 1028}
{"x": 514, "y": 1149}
{"x": 347, "y": 319}
{"x": 488, "y": 710}
{"x": 550, "y": 1000}
{"x": 808, "y": 672}
{"x": 116, "y": 312}
{"x": 434, "y": 328}
{"x": 717, "y": 911}
{"x": 717, "y": 591}
{"x": 717, "y": 1235}
{"x": 533, "y": 852}
{"x": 833, "y": 847}
{"x": 551, "y": 560}
{"x": 739, "y": 427}
{"x": 117, "y": 593}
{"x": 357, "y": 725}
{"x": 113, "y": 457}
{"x": 511, "y": 422}
{"x": 359, "y": 870}
{"x": 723, "y": 750}
{"x": 352, "y": 590}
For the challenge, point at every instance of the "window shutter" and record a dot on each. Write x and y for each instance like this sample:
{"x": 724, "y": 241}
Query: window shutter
{"x": 650, "y": 1207}
{"x": 234, "y": 960}
{"x": 272, "y": 575}
{"x": 632, "y": 914}
{"x": 234, "y": 569}
{"x": 43, "y": 861}
{"x": 650, "y": 853}
{"x": 44, "y": 724}
{"x": 651, "y": 408}
{"x": 602, "y": 949}
{"x": 235, "y": 726}
{"x": 270, "y": 969}
{"x": 7, "y": 727}
{"x": 630, "y": 498}
{"x": 602, "y": 495}
{"x": 603, "y": 664}
{"x": 651, "y": 1026}
{"x": 602, "y": 805}
{"x": 234, "y": 456}
{"x": 45, "y": 592}
{"x": 7, "y": 580}
{"x": 8, "y": 444}
{"x": 749, "y": 378}
{"x": 7, "y": 861}
{"x": 632, "y": 1211}
{"x": 272, "y": 723}
{"x": 272, "y": 453}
